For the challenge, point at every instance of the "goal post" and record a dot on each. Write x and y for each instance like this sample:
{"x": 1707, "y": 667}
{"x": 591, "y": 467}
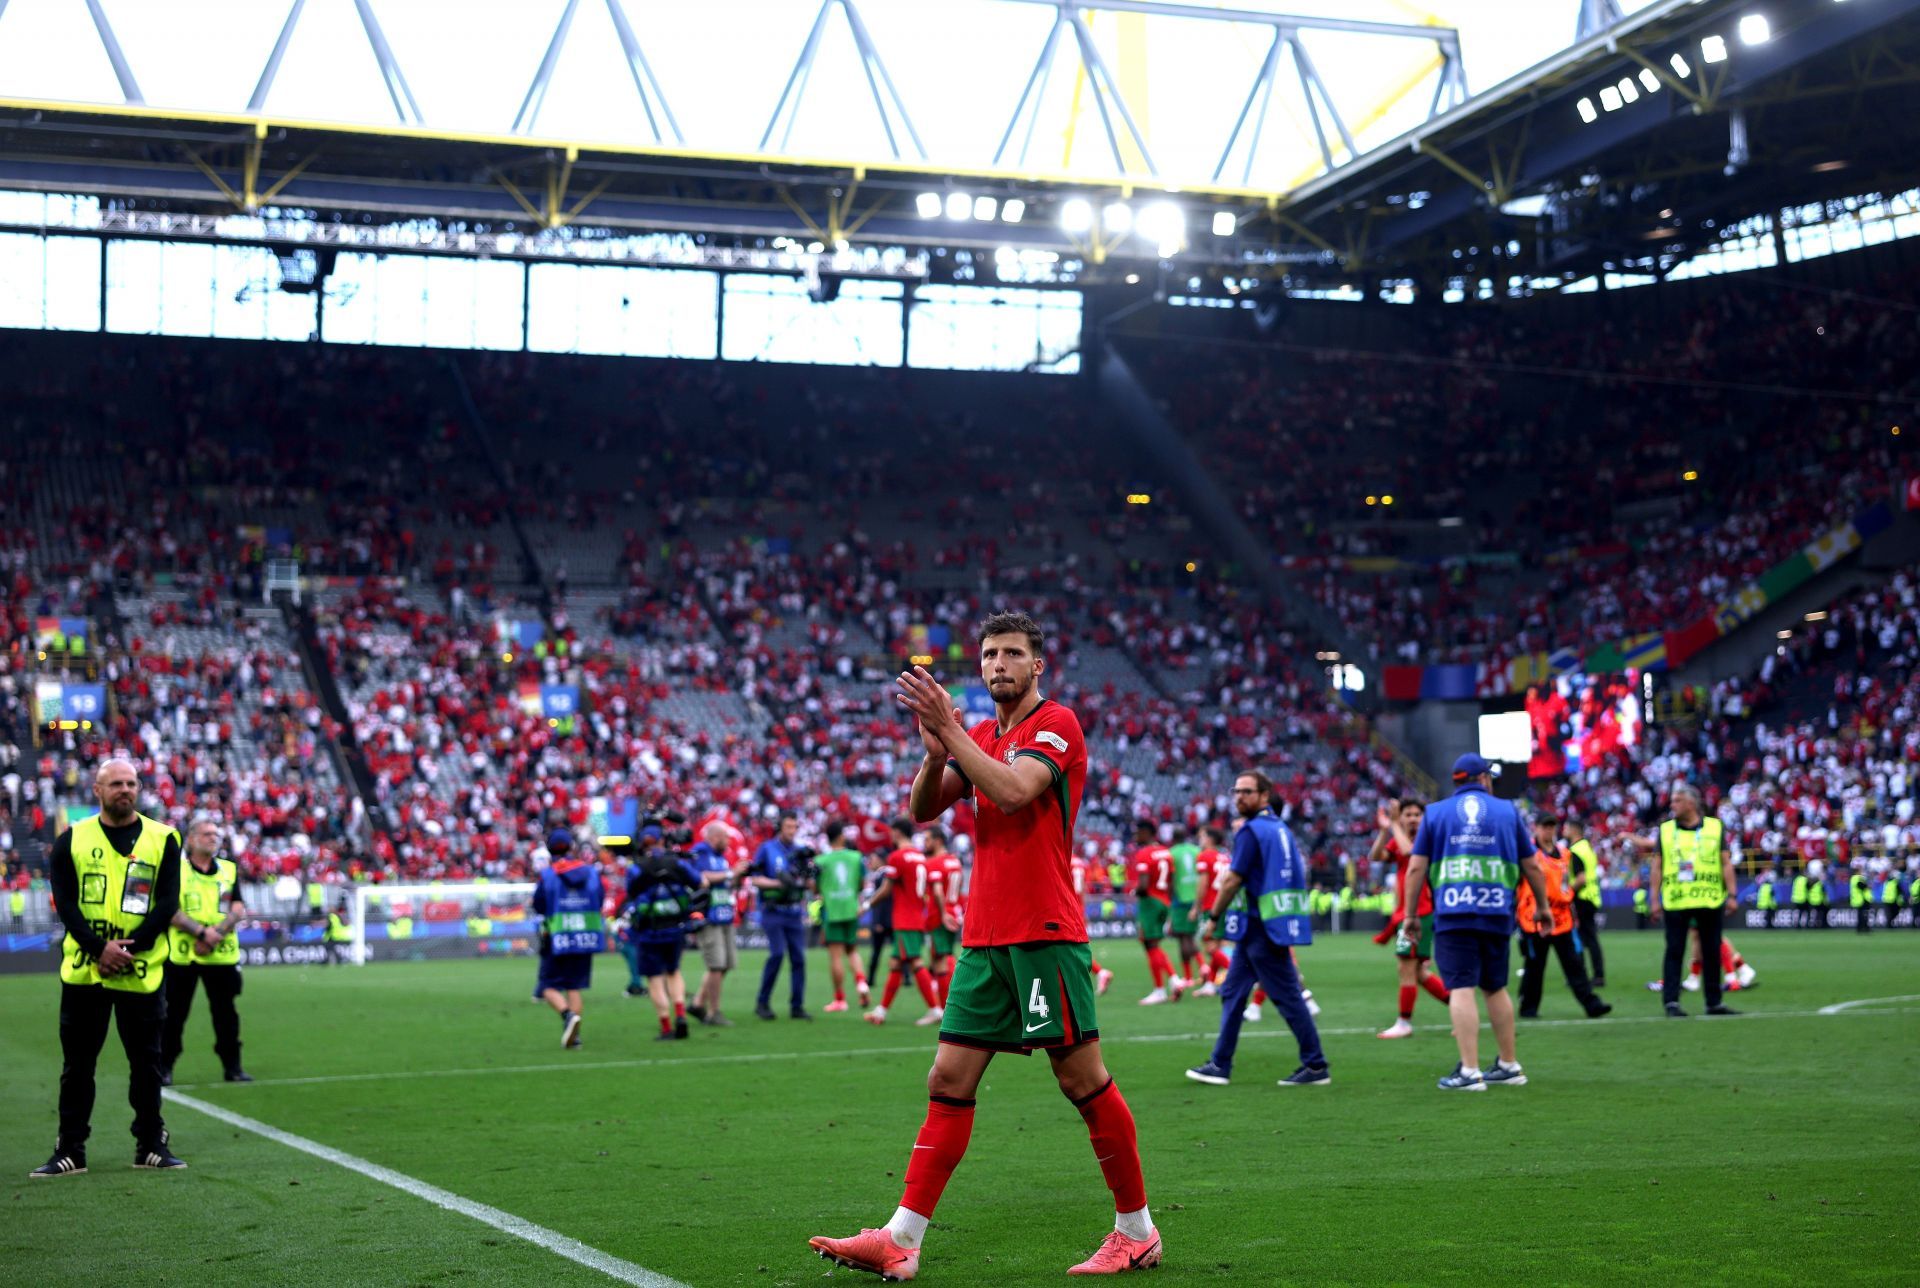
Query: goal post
{"x": 443, "y": 920}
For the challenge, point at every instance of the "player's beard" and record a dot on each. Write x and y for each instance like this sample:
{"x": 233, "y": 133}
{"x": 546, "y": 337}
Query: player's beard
{"x": 1013, "y": 696}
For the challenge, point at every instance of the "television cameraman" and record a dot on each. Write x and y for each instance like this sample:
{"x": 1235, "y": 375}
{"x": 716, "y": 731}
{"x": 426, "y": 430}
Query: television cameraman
{"x": 781, "y": 871}
{"x": 658, "y": 903}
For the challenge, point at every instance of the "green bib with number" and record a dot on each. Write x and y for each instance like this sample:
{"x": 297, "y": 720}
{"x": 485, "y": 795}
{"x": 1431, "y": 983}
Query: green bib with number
{"x": 841, "y": 872}
{"x": 204, "y": 897}
{"x": 1690, "y": 875}
{"x": 116, "y": 890}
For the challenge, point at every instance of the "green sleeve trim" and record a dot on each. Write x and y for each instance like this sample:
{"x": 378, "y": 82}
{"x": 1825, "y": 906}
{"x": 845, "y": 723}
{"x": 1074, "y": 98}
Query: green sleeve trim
{"x": 1044, "y": 759}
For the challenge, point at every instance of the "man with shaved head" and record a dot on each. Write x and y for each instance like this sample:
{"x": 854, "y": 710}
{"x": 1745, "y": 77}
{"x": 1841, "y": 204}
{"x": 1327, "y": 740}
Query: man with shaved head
{"x": 116, "y": 885}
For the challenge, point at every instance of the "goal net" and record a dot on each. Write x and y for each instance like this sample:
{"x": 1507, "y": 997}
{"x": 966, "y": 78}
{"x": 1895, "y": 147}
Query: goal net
{"x": 439, "y": 920}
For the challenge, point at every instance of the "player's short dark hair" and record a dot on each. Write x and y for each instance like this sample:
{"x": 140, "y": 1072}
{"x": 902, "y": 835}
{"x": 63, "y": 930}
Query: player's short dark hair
{"x": 1414, "y": 801}
{"x": 934, "y": 832}
{"x": 836, "y": 830}
{"x": 785, "y": 817}
{"x": 902, "y": 824}
{"x": 1260, "y": 780}
{"x": 1208, "y": 832}
{"x": 1574, "y": 820}
{"x": 1144, "y": 825}
{"x": 1015, "y": 624}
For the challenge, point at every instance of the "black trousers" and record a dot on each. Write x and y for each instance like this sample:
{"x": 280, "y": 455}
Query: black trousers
{"x": 223, "y": 985}
{"x": 85, "y": 1012}
{"x": 1863, "y": 918}
{"x": 1587, "y": 917}
{"x": 1679, "y": 920}
{"x": 1533, "y": 980}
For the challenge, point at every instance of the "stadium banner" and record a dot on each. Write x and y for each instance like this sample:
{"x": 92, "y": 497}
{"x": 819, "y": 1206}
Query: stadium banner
{"x": 56, "y": 701}
{"x": 559, "y": 701}
{"x": 60, "y": 634}
{"x": 613, "y": 815}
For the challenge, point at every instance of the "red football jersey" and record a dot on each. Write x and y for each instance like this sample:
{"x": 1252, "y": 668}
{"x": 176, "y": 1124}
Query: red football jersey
{"x": 1400, "y": 860}
{"x": 907, "y": 869}
{"x": 1079, "y": 866}
{"x": 1152, "y": 870}
{"x": 1208, "y": 865}
{"x": 945, "y": 872}
{"x": 1022, "y": 862}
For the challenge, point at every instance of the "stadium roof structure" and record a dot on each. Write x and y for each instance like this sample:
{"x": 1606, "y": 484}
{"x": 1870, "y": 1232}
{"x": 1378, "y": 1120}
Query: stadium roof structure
{"x": 1635, "y": 143}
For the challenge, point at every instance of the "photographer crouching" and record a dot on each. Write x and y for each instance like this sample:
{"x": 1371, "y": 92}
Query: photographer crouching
{"x": 656, "y": 909}
{"x": 783, "y": 874}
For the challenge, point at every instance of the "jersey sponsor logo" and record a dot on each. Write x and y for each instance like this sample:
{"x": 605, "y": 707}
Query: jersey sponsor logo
{"x": 1052, "y": 739}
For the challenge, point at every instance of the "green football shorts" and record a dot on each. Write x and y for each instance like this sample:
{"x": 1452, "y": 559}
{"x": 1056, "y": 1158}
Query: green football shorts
{"x": 843, "y": 932}
{"x": 1182, "y": 922}
{"x": 945, "y": 942}
{"x": 909, "y": 945}
{"x": 1423, "y": 949}
{"x": 1151, "y": 915}
{"x": 1021, "y": 997}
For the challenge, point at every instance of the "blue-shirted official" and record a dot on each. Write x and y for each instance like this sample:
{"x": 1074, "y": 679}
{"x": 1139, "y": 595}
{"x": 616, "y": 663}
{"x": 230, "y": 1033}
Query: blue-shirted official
{"x": 1269, "y": 868}
{"x": 658, "y": 906}
{"x": 717, "y": 936}
{"x": 1476, "y": 848}
{"x": 783, "y": 916}
{"x": 568, "y": 900}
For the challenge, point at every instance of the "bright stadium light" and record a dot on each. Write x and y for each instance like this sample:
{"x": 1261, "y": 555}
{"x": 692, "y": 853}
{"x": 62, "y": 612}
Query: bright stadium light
{"x": 928, "y": 204}
{"x": 1165, "y": 225}
{"x": 1076, "y": 216}
{"x": 1224, "y": 222}
{"x": 985, "y": 208}
{"x": 1629, "y": 92}
{"x": 1610, "y": 98}
{"x": 1588, "y": 112}
{"x": 1755, "y": 29}
{"x": 959, "y": 205}
{"x": 1713, "y": 49}
{"x": 1117, "y": 218}
{"x": 1648, "y": 79}
{"x": 1013, "y": 210}
{"x": 1681, "y": 67}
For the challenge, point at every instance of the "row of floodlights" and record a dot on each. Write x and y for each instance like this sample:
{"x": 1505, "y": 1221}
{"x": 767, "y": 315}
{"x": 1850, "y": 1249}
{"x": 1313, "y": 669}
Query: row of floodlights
{"x": 1162, "y": 224}
{"x": 1753, "y": 29}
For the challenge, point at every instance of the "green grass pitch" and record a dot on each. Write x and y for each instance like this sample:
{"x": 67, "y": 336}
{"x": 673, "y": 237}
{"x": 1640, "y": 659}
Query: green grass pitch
{"x": 1778, "y": 1148}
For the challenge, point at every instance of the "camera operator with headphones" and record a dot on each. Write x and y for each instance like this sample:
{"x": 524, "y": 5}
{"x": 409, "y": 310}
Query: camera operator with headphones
{"x": 782, "y": 872}
{"x": 659, "y": 900}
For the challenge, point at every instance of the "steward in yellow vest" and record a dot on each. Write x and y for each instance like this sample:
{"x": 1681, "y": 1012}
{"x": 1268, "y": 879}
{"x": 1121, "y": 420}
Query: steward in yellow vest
{"x": 1587, "y": 871}
{"x": 203, "y": 948}
{"x": 116, "y": 886}
{"x": 1693, "y": 888}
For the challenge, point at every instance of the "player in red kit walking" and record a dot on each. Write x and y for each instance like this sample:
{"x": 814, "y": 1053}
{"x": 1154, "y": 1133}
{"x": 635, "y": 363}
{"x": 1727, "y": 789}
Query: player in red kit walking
{"x": 1150, "y": 875}
{"x": 945, "y": 870}
{"x": 1399, "y": 823}
{"x": 915, "y": 890}
{"x": 1101, "y": 975}
{"x": 1209, "y": 866}
{"x": 1024, "y": 981}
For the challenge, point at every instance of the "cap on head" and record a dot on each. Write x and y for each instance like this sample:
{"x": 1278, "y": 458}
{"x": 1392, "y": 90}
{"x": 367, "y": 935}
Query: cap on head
{"x": 1471, "y": 766}
{"x": 559, "y": 841}
{"x": 651, "y": 832}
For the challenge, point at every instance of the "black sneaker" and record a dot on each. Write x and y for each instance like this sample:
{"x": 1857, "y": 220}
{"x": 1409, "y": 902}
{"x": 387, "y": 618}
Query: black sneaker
{"x": 1674, "y": 1012}
{"x": 636, "y": 990}
{"x": 679, "y": 1028}
{"x": 157, "y": 1158}
{"x": 237, "y": 1074}
{"x": 668, "y": 1036}
{"x": 65, "y": 1162}
{"x": 1211, "y": 1074}
{"x": 1307, "y": 1076}
{"x": 570, "y": 1030}
{"x": 1721, "y": 1008}
{"x": 1600, "y": 1009}
{"x": 717, "y": 1021}
{"x": 801, "y": 1013}
{"x": 1529, "y": 1015}
{"x": 166, "y": 1075}
{"x": 764, "y": 1011}
{"x": 696, "y": 1010}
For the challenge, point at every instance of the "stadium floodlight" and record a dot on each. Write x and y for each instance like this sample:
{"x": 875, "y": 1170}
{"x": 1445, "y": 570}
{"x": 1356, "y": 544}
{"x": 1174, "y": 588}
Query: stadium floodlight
{"x": 959, "y": 205}
{"x": 1629, "y": 92}
{"x": 1588, "y": 112}
{"x": 928, "y": 204}
{"x": 985, "y": 208}
{"x": 1117, "y": 218}
{"x": 1165, "y": 225}
{"x": 1681, "y": 67}
{"x": 1755, "y": 29}
{"x": 1013, "y": 210}
{"x": 1076, "y": 215}
{"x": 1610, "y": 98}
{"x": 1713, "y": 49}
{"x": 1224, "y": 222}
{"x": 1648, "y": 79}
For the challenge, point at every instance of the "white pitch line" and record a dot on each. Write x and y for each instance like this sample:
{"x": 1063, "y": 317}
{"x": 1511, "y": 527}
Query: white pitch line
{"x": 927, "y": 1048}
{"x": 505, "y": 1222}
{"x": 1840, "y": 1007}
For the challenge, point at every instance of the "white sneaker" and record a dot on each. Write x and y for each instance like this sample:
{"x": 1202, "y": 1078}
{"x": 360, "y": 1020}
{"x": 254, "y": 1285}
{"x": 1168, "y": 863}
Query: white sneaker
{"x": 1154, "y": 998}
{"x": 878, "y": 1015}
{"x": 1207, "y": 990}
{"x": 1179, "y": 987}
{"x": 1101, "y": 981}
{"x": 866, "y": 996}
{"x": 1252, "y": 1014}
{"x": 1313, "y": 1007}
{"x": 931, "y": 1017}
{"x": 1691, "y": 983}
{"x": 1745, "y": 975}
{"x": 1398, "y": 1029}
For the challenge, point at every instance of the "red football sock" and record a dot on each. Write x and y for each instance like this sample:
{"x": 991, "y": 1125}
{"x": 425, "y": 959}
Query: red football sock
{"x": 923, "y": 979}
{"x": 666, "y": 1024}
{"x": 839, "y": 994}
{"x": 1162, "y": 965}
{"x": 944, "y": 979}
{"x": 1730, "y": 961}
{"x": 1696, "y": 966}
{"x": 894, "y": 980}
{"x": 859, "y": 976}
{"x": 1153, "y": 967}
{"x": 938, "y": 1149}
{"x": 1097, "y": 968}
{"x": 1407, "y": 995}
{"x": 1115, "y": 1145}
{"x": 679, "y": 1010}
{"x": 1220, "y": 964}
{"x": 1435, "y": 986}
{"x": 1259, "y": 995}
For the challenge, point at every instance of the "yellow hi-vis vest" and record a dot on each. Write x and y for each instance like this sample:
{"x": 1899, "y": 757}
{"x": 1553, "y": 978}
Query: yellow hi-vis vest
{"x": 1690, "y": 875}
{"x": 115, "y": 892}
{"x": 204, "y": 897}
{"x": 1583, "y": 849}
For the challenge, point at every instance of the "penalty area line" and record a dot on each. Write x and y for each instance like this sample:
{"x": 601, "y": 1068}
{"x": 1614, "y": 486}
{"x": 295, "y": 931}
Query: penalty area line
{"x": 926, "y": 1048}
{"x": 505, "y": 1222}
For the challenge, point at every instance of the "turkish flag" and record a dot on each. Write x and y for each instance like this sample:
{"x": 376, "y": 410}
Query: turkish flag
{"x": 1913, "y": 493}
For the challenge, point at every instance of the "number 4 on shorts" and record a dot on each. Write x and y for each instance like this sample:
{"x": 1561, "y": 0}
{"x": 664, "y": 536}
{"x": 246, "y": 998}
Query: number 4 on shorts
{"x": 1036, "y": 1004}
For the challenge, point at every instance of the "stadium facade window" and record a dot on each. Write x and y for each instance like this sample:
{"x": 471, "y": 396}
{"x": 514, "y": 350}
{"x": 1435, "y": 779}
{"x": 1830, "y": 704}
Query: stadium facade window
{"x": 425, "y": 301}
{"x": 988, "y": 328}
{"x": 634, "y": 312}
{"x": 202, "y": 289}
{"x": 49, "y": 210}
{"x": 771, "y": 318}
{"x": 49, "y": 283}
